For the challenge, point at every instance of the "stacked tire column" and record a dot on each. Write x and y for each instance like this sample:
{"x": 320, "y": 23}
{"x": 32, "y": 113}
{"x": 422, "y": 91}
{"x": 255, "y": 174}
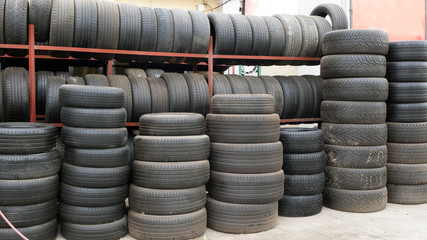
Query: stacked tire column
{"x": 354, "y": 114}
{"x": 246, "y": 164}
{"x": 407, "y": 122}
{"x": 95, "y": 170}
{"x": 168, "y": 195}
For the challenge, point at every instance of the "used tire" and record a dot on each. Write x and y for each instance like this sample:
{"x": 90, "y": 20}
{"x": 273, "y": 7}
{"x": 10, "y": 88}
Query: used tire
{"x": 45, "y": 231}
{"x": 408, "y": 71}
{"x": 41, "y": 85}
{"x": 96, "y": 80}
{"x": 355, "y": 134}
{"x": 94, "y": 138}
{"x": 122, "y": 82}
{"x": 304, "y": 163}
{"x": 172, "y": 124}
{"x": 255, "y": 84}
{"x": 107, "y": 231}
{"x": 301, "y": 140}
{"x": 135, "y": 72}
{"x": 276, "y": 38}
{"x": 16, "y": 98}
{"x": 300, "y": 206}
{"x": 97, "y": 158}
{"x": 75, "y": 81}
{"x": 85, "y": 27}
{"x": 40, "y": 18}
{"x": 159, "y": 95}
{"x": 91, "y": 215}
{"x": 148, "y": 38}
{"x": 221, "y": 85}
{"x": 61, "y": 26}
{"x": 407, "y": 92}
{"x": 407, "y": 112}
{"x": 323, "y": 27}
{"x": 353, "y": 65}
{"x": 182, "y": 33}
{"x": 407, "y": 194}
{"x": 291, "y": 97}
{"x": 356, "y": 89}
{"x": 303, "y": 185}
{"x": 93, "y": 197}
{"x": 141, "y": 97}
{"x": 179, "y": 94}
{"x": 223, "y": 32}
{"x": 243, "y": 104}
{"x": 154, "y": 73}
{"x": 355, "y": 179}
{"x": 238, "y": 84}
{"x": 407, "y": 51}
{"x": 165, "y": 33}
{"x": 273, "y": 88}
{"x": 108, "y": 28}
{"x": 353, "y": 112}
{"x": 407, "y": 132}
{"x": 53, "y": 106}
{"x": 199, "y": 93}
{"x": 310, "y": 36}
{"x": 93, "y": 117}
{"x": 356, "y": 156}
{"x": 260, "y": 36}
{"x": 293, "y": 34}
{"x": 16, "y": 25}
{"x": 335, "y": 12}
{"x": 406, "y": 174}
{"x": 91, "y": 97}
{"x": 130, "y": 30}
{"x": 358, "y": 201}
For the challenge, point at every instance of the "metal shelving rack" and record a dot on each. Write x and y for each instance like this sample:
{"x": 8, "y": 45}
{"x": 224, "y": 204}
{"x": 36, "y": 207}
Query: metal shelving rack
{"x": 210, "y": 56}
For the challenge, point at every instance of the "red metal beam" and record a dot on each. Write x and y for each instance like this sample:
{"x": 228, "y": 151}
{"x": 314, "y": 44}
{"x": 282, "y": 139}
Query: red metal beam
{"x": 110, "y": 67}
{"x": 15, "y": 46}
{"x": 32, "y": 73}
{"x": 210, "y": 72}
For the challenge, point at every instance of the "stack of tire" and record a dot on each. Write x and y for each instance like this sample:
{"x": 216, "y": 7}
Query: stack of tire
{"x": 353, "y": 114}
{"x": 304, "y": 166}
{"x": 29, "y": 183}
{"x": 95, "y": 171}
{"x": 407, "y": 122}
{"x": 168, "y": 195}
{"x": 246, "y": 164}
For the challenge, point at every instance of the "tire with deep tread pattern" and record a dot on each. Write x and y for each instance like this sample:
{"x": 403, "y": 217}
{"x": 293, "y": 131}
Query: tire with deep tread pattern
{"x": 291, "y": 96}
{"x": 221, "y": 85}
{"x": 304, "y": 163}
{"x": 353, "y": 65}
{"x": 16, "y": 97}
{"x": 300, "y": 206}
{"x": 354, "y": 112}
{"x": 316, "y": 84}
{"x": 303, "y": 185}
{"x": 85, "y": 26}
{"x": 61, "y": 26}
{"x": 356, "y": 156}
{"x": 358, "y": 201}
{"x": 355, "y": 134}
{"x": 335, "y": 12}
{"x": 16, "y": 25}
{"x": 148, "y": 38}
{"x": 301, "y": 140}
{"x": 41, "y": 85}
{"x": 93, "y": 117}
{"x": 130, "y": 30}
{"x": 407, "y": 51}
{"x": 91, "y": 96}
{"x": 356, "y": 179}
{"x": 356, "y": 89}
{"x": 408, "y": 71}
{"x": 407, "y": 92}
{"x": 108, "y": 28}
{"x": 2, "y": 29}
{"x": 40, "y": 17}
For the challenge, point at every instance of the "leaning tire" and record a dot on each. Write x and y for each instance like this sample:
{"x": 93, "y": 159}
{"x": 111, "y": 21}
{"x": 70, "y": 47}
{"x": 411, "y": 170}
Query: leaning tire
{"x": 335, "y": 12}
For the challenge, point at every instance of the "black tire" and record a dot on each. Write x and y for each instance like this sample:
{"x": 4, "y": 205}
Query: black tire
{"x": 41, "y": 85}
{"x": 407, "y": 112}
{"x": 201, "y": 32}
{"x": 410, "y": 71}
{"x": 256, "y": 86}
{"x": 94, "y": 138}
{"x": 97, "y": 158}
{"x": 93, "y": 117}
{"x": 108, "y": 28}
{"x": 154, "y": 73}
{"x": 354, "y": 112}
{"x": 29, "y": 215}
{"x": 291, "y": 97}
{"x": 304, "y": 163}
{"x": 182, "y": 33}
{"x": 274, "y": 88}
{"x": 96, "y": 80}
{"x": 303, "y": 185}
{"x": 301, "y": 140}
{"x": 85, "y": 26}
{"x": 172, "y": 124}
{"x": 2, "y": 30}
{"x": 260, "y": 36}
{"x": 221, "y": 85}
{"x": 27, "y": 138}
{"x": 45, "y": 231}
{"x": 234, "y": 128}
{"x": 63, "y": 74}
{"x": 356, "y": 179}
{"x": 16, "y": 25}
{"x": 91, "y": 97}
{"x": 119, "y": 81}
{"x": 148, "y": 38}
{"x": 16, "y": 97}
{"x": 181, "y": 226}
{"x": 406, "y": 174}
{"x": 316, "y": 84}
{"x": 165, "y": 33}
{"x": 223, "y": 33}
{"x": 276, "y": 32}
{"x": 356, "y": 156}
{"x": 75, "y": 81}
{"x": 358, "y": 201}
{"x": 91, "y": 215}
{"x": 61, "y": 26}
{"x": 335, "y": 12}
{"x": 306, "y": 97}
{"x": 141, "y": 97}
{"x": 246, "y": 158}
{"x": 171, "y": 148}
{"x": 323, "y": 27}
{"x": 407, "y": 132}
{"x": 310, "y": 36}
{"x": 246, "y": 188}
{"x": 130, "y": 30}
{"x": 92, "y": 197}
{"x": 40, "y": 17}
{"x": 241, "y": 218}
{"x": 30, "y": 191}
{"x": 293, "y": 35}
{"x": 53, "y": 106}
{"x": 300, "y": 206}
{"x": 159, "y": 94}
{"x": 238, "y": 84}
{"x": 407, "y": 92}
{"x": 407, "y": 51}
{"x": 352, "y": 65}
{"x": 135, "y": 72}
{"x": 179, "y": 94}
{"x": 199, "y": 93}
{"x": 355, "y": 134}
{"x": 349, "y": 42}
{"x": 243, "y": 104}
{"x": 407, "y": 194}
{"x": 107, "y": 231}
{"x": 356, "y": 89}
{"x": 36, "y": 165}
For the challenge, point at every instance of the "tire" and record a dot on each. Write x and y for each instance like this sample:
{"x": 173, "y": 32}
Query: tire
{"x": 301, "y": 140}
{"x": 355, "y": 134}
{"x": 53, "y": 106}
{"x": 323, "y": 27}
{"x": 154, "y": 73}
{"x": 356, "y": 179}
{"x": 29, "y": 191}
{"x": 241, "y": 218}
{"x": 183, "y": 33}
{"x": 407, "y": 132}
{"x": 27, "y": 138}
{"x": 246, "y": 188}
{"x": 122, "y": 82}
{"x": 172, "y": 124}
{"x": 407, "y": 51}
{"x": 344, "y": 42}
{"x": 358, "y": 201}
{"x": 40, "y": 17}
{"x": 407, "y": 194}
{"x": 36, "y": 165}
{"x": 310, "y": 36}
{"x": 316, "y": 84}
{"x": 238, "y": 84}
{"x": 16, "y": 97}
{"x": 106, "y": 231}
{"x": 85, "y": 27}
{"x": 130, "y": 30}
{"x": 221, "y": 85}
{"x": 159, "y": 95}
{"x": 91, "y": 97}
{"x": 306, "y": 97}
{"x": 256, "y": 86}
{"x": 45, "y": 231}
{"x": 260, "y": 36}
{"x": 303, "y": 185}
{"x": 356, "y": 89}
{"x": 16, "y": 25}
{"x": 166, "y": 201}
{"x": 407, "y": 112}
{"x": 170, "y": 175}
{"x": 141, "y": 97}
{"x": 407, "y": 92}
{"x": 96, "y": 80}
{"x": 181, "y": 226}
{"x": 410, "y": 71}
{"x": 293, "y": 34}
{"x": 335, "y": 12}
{"x": 179, "y": 94}
{"x": 353, "y": 112}
{"x": 276, "y": 32}
{"x": 29, "y": 215}
{"x": 246, "y": 158}
{"x": 75, "y": 81}
{"x": 93, "y": 117}
{"x": 94, "y": 138}
{"x": 41, "y": 85}
{"x": 406, "y": 174}
{"x": 356, "y": 156}
{"x": 274, "y": 88}
{"x": 300, "y": 206}
{"x": 108, "y": 29}
{"x": 199, "y": 93}
{"x": 61, "y": 26}
{"x": 233, "y": 128}
{"x": 165, "y": 33}
{"x": 353, "y": 65}
{"x": 97, "y": 158}
{"x": 91, "y": 215}
{"x": 2, "y": 29}
{"x": 148, "y": 38}
{"x": 171, "y": 148}
{"x": 291, "y": 97}
{"x": 135, "y": 72}
{"x": 201, "y": 32}
{"x": 304, "y": 163}
{"x": 63, "y": 74}
{"x": 243, "y": 104}
{"x": 222, "y": 30}
{"x": 93, "y": 197}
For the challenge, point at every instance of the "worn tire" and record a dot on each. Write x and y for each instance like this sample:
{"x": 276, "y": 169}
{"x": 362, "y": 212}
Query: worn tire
{"x": 407, "y": 132}
{"x": 260, "y": 36}
{"x": 16, "y": 95}
{"x": 91, "y": 215}
{"x": 53, "y": 106}
{"x": 255, "y": 84}
{"x": 323, "y": 27}
{"x": 407, "y": 112}
{"x": 223, "y": 31}
{"x": 276, "y": 32}
{"x": 356, "y": 156}
{"x": 353, "y": 65}
{"x": 107, "y": 231}
{"x": 141, "y": 97}
{"x": 243, "y": 104}
{"x": 358, "y": 201}
{"x": 199, "y": 93}
{"x": 238, "y": 84}
{"x": 130, "y": 30}
{"x": 201, "y": 32}
{"x": 301, "y": 140}
{"x": 353, "y": 112}
{"x": 97, "y": 158}
{"x": 108, "y": 28}
{"x": 291, "y": 97}
{"x": 40, "y": 17}
{"x": 356, "y": 89}
{"x": 119, "y": 81}
{"x": 408, "y": 71}
{"x": 335, "y": 12}
{"x": 148, "y": 38}
{"x": 355, "y": 179}
{"x": 45, "y": 231}
{"x": 355, "y": 134}
{"x": 406, "y": 174}
{"x": 316, "y": 84}
{"x": 293, "y": 34}
{"x": 304, "y": 163}
{"x": 41, "y": 85}
{"x": 165, "y": 33}
{"x": 300, "y": 206}
{"x": 407, "y": 194}
{"x": 91, "y": 97}
{"x": 172, "y": 124}
{"x": 62, "y": 26}
{"x": 159, "y": 94}
{"x": 182, "y": 33}
{"x": 94, "y": 138}
{"x": 96, "y": 80}
{"x": 75, "y": 81}
{"x": 221, "y": 85}
{"x": 135, "y": 72}
{"x": 154, "y": 73}
{"x": 310, "y": 36}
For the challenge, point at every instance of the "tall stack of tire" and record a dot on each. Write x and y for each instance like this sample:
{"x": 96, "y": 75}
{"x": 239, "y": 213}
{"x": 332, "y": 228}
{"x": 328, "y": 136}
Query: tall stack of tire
{"x": 95, "y": 171}
{"x": 407, "y": 122}
{"x": 168, "y": 195}
{"x": 303, "y": 165}
{"x": 246, "y": 164}
{"x": 29, "y": 182}
{"x": 353, "y": 113}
